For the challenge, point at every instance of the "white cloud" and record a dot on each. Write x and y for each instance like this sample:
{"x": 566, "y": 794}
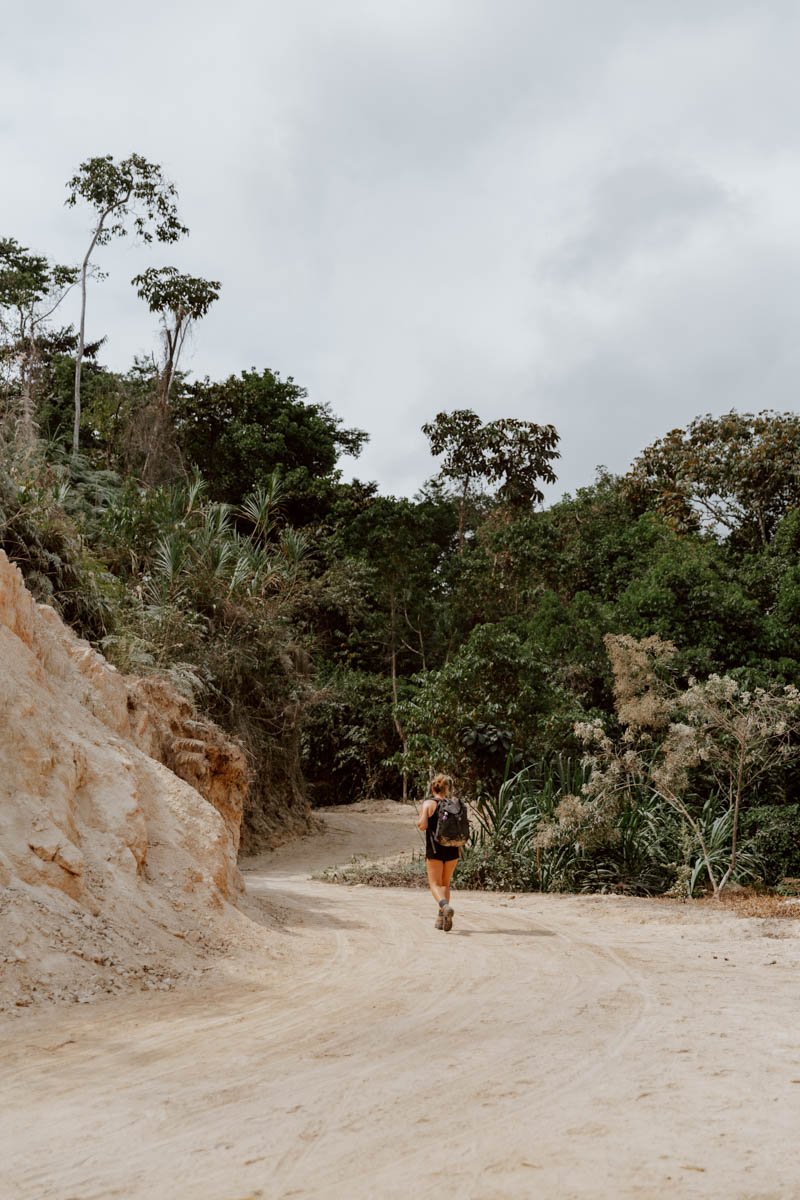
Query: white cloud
{"x": 575, "y": 213}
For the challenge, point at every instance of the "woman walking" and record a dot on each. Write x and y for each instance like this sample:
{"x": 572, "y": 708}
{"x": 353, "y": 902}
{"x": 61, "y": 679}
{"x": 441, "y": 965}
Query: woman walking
{"x": 440, "y": 861}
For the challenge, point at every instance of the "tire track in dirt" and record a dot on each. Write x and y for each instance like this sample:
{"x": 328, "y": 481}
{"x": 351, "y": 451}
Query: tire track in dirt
{"x": 547, "y": 1046}
{"x": 506, "y": 1074}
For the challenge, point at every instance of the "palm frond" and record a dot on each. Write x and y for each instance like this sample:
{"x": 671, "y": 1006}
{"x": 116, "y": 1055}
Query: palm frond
{"x": 263, "y": 506}
{"x": 294, "y": 545}
{"x": 169, "y": 559}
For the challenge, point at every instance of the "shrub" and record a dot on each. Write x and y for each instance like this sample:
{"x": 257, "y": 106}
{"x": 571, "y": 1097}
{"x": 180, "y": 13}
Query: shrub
{"x": 707, "y": 751}
{"x": 348, "y": 734}
{"x": 773, "y": 832}
{"x": 502, "y": 854}
{"x": 492, "y": 698}
{"x": 44, "y": 539}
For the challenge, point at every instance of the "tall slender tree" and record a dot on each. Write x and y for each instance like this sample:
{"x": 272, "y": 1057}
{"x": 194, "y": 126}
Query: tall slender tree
{"x": 179, "y": 300}
{"x": 129, "y": 196}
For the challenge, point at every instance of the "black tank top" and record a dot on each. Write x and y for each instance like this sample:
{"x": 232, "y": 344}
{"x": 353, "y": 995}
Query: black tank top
{"x": 432, "y": 847}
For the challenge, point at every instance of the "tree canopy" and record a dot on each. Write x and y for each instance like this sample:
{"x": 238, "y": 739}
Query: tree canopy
{"x": 738, "y": 474}
{"x": 238, "y": 431}
{"x": 511, "y": 454}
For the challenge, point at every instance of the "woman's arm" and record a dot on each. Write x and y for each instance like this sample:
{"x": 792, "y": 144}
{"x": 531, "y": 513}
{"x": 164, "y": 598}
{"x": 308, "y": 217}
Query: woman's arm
{"x": 426, "y": 811}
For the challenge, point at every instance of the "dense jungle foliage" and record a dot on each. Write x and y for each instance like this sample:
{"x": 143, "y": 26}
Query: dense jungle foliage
{"x": 356, "y": 641}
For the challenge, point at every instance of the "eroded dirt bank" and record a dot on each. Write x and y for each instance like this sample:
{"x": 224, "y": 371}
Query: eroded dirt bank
{"x": 553, "y": 1047}
{"x": 120, "y": 809}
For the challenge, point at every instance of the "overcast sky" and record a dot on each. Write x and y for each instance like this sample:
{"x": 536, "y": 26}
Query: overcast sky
{"x": 582, "y": 212}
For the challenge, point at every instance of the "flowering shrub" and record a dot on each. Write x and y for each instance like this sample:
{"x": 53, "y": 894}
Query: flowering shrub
{"x": 705, "y": 750}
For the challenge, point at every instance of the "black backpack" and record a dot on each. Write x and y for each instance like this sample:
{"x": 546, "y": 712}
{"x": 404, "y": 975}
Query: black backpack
{"x": 452, "y": 822}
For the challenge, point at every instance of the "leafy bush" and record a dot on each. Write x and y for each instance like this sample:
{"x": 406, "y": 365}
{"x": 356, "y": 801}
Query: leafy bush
{"x": 643, "y": 859}
{"x": 502, "y": 855}
{"x": 773, "y": 833}
{"x": 707, "y": 752}
{"x": 496, "y": 867}
{"x": 348, "y": 734}
{"x": 533, "y": 834}
{"x": 42, "y": 536}
{"x": 493, "y": 698}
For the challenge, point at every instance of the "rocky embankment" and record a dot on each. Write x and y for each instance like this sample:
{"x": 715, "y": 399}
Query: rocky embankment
{"x": 120, "y": 811}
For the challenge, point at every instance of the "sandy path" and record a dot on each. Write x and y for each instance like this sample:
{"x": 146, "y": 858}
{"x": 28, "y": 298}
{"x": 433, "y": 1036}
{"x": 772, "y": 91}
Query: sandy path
{"x": 548, "y": 1047}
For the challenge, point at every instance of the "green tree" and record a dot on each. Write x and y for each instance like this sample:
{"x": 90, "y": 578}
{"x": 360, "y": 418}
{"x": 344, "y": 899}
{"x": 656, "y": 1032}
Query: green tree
{"x": 520, "y": 455}
{"x": 690, "y": 594}
{"x": 111, "y": 402}
{"x": 737, "y": 474}
{"x": 513, "y": 455}
{"x": 179, "y": 300}
{"x": 460, "y": 438}
{"x": 31, "y": 290}
{"x": 348, "y": 737}
{"x": 129, "y": 195}
{"x": 238, "y": 431}
{"x": 376, "y": 619}
{"x": 490, "y": 702}
{"x": 398, "y": 539}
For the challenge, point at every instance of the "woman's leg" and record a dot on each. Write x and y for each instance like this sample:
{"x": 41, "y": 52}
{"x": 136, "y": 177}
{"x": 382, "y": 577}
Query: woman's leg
{"x": 436, "y": 872}
{"x": 447, "y": 875}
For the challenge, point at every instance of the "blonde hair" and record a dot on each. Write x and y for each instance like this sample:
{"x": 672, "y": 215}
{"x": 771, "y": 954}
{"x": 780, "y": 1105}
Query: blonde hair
{"x": 440, "y": 785}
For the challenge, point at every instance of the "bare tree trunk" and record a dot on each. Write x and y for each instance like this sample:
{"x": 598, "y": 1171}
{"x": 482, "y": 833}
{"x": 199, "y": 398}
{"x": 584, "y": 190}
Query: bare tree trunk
{"x": 76, "y": 425}
{"x": 417, "y": 629}
{"x": 174, "y": 347}
{"x": 735, "y": 822}
{"x": 462, "y": 512}
{"x": 161, "y": 436}
{"x": 398, "y": 726}
{"x": 27, "y": 403}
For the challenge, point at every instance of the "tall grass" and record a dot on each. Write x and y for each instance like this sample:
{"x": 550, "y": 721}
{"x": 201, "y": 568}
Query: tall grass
{"x": 502, "y": 855}
{"x": 648, "y": 851}
{"x": 717, "y": 832}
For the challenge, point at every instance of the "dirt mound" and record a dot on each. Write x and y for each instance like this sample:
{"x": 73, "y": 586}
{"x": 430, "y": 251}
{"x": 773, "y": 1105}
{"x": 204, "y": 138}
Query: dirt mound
{"x": 120, "y": 811}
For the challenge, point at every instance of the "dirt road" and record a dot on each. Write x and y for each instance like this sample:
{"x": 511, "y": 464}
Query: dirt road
{"x": 549, "y": 1047}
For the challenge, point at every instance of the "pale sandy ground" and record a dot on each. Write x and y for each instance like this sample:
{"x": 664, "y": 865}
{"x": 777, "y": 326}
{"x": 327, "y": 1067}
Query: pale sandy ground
{"x": 549, "y": 1047}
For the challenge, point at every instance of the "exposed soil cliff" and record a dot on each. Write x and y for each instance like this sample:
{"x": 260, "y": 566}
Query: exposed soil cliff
{"x": 120, "y": 811}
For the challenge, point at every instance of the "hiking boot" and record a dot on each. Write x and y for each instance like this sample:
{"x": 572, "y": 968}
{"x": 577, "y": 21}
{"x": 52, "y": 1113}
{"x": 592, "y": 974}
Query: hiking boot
{"x": 439, "y": 924}
{"x": 447, "y": 918}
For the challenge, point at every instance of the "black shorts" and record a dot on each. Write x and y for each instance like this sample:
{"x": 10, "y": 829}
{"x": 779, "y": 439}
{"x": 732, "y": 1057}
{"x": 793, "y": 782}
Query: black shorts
{"x": 439, "y": 853}
{"x": 446, "y": 854}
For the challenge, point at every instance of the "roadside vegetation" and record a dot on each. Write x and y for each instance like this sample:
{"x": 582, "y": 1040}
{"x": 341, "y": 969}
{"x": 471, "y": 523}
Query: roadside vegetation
{"x": 612, "y": 681}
